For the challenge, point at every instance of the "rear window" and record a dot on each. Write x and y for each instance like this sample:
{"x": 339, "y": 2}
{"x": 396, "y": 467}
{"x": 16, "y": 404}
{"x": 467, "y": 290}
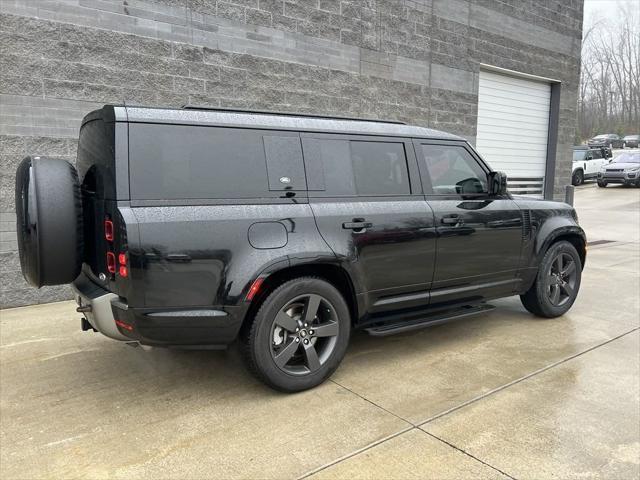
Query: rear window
{"x": 96, "y": 159}
{"x": 355, "y": 168}
{"x": 169, "y": 162}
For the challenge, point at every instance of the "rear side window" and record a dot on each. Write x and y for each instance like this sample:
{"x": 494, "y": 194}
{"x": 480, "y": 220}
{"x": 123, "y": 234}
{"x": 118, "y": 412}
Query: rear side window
{"x": 355, "y": 167}
{"x": 96, "y": 159}
{"x": 169, "y": 162}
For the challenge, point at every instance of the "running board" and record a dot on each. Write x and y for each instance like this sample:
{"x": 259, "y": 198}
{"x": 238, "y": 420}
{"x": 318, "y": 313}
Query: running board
{"x": 431, "y": 320}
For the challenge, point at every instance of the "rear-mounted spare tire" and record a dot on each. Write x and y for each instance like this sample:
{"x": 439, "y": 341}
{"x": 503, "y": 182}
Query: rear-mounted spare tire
{"x": 49, "y": 221}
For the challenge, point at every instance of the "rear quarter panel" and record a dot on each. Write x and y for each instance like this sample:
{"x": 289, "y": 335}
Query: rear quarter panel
{"x": 220, "y": 260}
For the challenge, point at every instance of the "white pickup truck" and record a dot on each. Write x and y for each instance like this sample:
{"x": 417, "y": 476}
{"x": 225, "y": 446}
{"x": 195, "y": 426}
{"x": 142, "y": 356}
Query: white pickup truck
{"x": 587, "y": 162}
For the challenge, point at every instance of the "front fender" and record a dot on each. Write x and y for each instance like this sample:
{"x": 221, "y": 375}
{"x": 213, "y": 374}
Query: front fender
{"x": 550, "y": 230}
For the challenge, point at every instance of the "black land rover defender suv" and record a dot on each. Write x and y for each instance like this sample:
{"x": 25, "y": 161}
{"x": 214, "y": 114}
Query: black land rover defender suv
{"x": 191, "y": 228}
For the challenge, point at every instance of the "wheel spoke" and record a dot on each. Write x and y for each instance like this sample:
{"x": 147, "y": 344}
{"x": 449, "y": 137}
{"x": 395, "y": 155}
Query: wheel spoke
{"x": 313, "y": 362}
{"x": 568, "y": 289}
{"x": 558, "y": 263}
{"x": 286, "y": 353}
{"x": 555, "y": 294}
{"x": 285, "y": 321}
{"x": 326, "y": 330}
{"x": 311, "y": 308}
{"x": 569, "y": 268}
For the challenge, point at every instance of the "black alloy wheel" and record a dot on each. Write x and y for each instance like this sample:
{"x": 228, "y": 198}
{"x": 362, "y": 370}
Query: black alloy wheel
{"x": 299, "y": 334}
{"x": 561, "y": 279}
{"x": 304, "y": 334}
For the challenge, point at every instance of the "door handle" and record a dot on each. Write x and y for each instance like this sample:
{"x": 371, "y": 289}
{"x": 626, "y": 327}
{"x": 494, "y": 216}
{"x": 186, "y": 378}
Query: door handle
{"x": 452, "y": 220}
{"x": 358, "y": 225}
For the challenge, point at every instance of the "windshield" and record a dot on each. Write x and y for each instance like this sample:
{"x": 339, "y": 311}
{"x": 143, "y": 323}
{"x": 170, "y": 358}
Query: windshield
{"x": 579, "y": 155}
{"x": 627, "y": 158}
{"x": 632, "y": 137}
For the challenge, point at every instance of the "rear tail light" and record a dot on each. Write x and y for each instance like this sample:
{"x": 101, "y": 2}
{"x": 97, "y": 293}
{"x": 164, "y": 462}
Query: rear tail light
{"x": 123, "y": 271}
{"x": 124, "y": 325}
{"x": 111, "y": 262}
{"x": 108, "y": 230}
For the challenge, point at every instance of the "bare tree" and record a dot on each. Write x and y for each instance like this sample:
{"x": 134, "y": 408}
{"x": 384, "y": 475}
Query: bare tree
{"x": 609, "y": 94}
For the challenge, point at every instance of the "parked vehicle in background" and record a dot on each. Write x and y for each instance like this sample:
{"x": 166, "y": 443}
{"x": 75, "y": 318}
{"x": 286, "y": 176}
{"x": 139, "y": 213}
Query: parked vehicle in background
{"x": 610, "y": 140}
{"x": 623, "y": 169}
{"x": 631, "y": 141}
{"x": 191, "y": 228}
{"x": 586, "y": 163}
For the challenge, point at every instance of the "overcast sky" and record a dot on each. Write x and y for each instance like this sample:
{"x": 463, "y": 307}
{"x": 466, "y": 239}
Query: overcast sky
{"x": 606, "y": 8}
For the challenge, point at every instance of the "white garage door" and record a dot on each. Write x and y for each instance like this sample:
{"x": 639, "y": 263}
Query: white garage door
{"x": 513, "y": 125}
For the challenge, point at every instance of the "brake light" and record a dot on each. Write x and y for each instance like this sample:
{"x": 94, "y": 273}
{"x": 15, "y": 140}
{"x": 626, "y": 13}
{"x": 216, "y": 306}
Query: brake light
{"x": 111, "y": 262}
{"x": 122, "y": 259}
{"x": 108, "y": 230}
{"x": 123, "y": 271}
{"x": 126, "y": 326}
{"x": 255, "y": 288}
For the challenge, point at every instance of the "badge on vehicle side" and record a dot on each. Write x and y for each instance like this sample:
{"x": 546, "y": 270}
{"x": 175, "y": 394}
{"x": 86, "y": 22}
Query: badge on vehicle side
{"x": 285, "y": 180}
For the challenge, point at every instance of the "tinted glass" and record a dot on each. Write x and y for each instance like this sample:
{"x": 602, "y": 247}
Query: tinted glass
{"x": 284, "y": 162}
{"x": 328, "y": 166}
{"x": 380, "y": 168}
{"x": 183, "y": 162}
{"x": 348, "y": 167}
{"x": 595, "y": 154}
{"x": 452, "y": 169}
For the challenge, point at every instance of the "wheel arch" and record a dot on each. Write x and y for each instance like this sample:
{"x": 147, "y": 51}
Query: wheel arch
{"x": 572, "y": 234}
{"x": 330, "y": 272}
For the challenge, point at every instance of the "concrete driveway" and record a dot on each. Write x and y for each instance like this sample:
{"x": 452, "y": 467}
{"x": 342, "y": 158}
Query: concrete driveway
{"x": 502, "y": 395}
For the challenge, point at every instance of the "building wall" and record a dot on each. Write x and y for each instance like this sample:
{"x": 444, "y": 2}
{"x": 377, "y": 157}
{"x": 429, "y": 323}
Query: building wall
{"x": 412, "y": 60}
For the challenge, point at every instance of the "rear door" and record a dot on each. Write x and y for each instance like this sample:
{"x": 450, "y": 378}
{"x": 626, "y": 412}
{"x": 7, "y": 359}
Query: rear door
{"x": 366, "y": 196}
{"x": 479, "y": 235}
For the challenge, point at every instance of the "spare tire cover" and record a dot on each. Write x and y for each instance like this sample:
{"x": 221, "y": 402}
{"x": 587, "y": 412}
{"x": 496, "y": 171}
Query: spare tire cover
{"x": 49, "y": 221}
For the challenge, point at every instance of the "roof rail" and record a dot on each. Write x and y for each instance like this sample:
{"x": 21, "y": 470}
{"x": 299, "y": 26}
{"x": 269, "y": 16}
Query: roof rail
{"x": 288, "y": 114}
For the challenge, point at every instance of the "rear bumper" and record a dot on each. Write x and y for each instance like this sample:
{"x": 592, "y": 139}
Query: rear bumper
{"x": 100, "y": 316}
{"x": 190, "y": 327}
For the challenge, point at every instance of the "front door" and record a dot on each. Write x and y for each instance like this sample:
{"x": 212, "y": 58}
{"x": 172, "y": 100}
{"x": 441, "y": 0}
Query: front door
{"x": 479, "y": 236}
{"x": 367, "y": 201}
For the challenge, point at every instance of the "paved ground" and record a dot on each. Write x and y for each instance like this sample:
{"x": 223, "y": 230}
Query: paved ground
{"x": 501, "y": 395}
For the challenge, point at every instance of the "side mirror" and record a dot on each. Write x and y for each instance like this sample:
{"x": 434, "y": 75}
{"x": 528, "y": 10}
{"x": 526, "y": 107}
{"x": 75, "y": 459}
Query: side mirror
{"x": 497, "y": 183}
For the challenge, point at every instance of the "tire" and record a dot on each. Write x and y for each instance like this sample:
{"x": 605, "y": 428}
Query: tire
{"x": 551, "y": 295}
{"x": 48, "y": 221}
{"x": 577, "y": 178}
{"x": 602, "y": 184}
{"x": 281, "y": 356}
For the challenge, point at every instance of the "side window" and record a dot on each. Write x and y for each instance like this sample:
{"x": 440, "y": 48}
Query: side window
{"x": 594, "y": 155}
{"x": 284, "y": 162}
{"x": 380, "y": 168}
{"x": 180, "y": 162}
{"x": 453, "y": 170}
{"x": 355, "y": 167}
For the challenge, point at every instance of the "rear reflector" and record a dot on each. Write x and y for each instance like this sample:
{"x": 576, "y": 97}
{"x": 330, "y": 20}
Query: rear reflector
{"x": 123, "y": 271}
{"x": 111, "y": 262}
{"x": 108, "y": 230}
{"x": 122, "y": 259}
{"x": 255, "y": 288}
{"x": 126, "y": 326}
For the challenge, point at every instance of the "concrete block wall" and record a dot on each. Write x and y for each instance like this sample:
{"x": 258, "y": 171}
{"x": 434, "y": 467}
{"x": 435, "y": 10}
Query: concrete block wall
{"x": 412, "y": 60}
